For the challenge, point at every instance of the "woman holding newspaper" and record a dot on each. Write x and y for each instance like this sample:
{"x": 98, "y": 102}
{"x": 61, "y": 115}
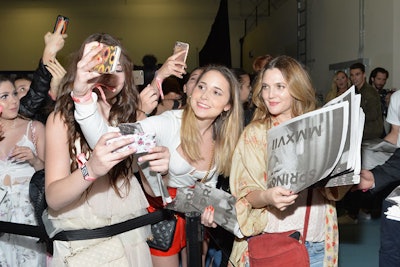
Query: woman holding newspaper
{"x": 284, "y": 92}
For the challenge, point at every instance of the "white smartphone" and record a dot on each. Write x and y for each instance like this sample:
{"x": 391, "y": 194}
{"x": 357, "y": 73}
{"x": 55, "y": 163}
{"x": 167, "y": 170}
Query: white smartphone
{"x": 143, "y": 142}
{"x": 138, "y": 77}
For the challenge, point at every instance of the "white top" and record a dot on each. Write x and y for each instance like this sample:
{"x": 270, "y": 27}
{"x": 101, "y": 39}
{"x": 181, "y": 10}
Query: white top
{"x": 15, "y": 176}
{"x": 393, "y": 115}
{"x": 167, "y": 128}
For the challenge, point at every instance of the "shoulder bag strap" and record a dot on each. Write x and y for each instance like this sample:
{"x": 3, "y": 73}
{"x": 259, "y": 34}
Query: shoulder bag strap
{"x": 306, "y": 219}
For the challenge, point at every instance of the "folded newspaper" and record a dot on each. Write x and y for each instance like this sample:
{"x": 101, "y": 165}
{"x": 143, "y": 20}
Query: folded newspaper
{"x": 376, "y": 152}
{"x": 393, "y": 212}
{"x": 200, "y": 196}
{"x": 321, "y": 146}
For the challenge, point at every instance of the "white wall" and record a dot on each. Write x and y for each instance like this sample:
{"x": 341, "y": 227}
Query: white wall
{"x": 333, "y": 36}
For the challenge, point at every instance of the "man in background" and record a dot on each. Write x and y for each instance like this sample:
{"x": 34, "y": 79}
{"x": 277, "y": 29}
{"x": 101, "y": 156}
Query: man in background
{"x": 377, "y": 79}
{"x": 370, "y": 102}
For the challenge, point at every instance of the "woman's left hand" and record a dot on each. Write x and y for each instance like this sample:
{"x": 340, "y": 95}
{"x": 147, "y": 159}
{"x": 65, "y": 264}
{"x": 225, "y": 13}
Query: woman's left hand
{"x": 207, "y": 217}
{"x": 172, "y": 66}
{"x": 148, "y": 99}
{"x": 57, "y": 72}
{"x": 158, "y": 158}
{"x": 24, "y": 153}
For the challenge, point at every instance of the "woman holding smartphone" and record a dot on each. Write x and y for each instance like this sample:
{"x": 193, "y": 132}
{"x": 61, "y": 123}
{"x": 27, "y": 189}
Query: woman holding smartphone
{"x": 90, "y": 188}
{"x": 196, "y": 139}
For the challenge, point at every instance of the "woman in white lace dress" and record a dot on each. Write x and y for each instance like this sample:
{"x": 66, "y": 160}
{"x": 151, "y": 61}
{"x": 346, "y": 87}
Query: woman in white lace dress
{"x": 21, "y": 154}
{"x": 102, "y": 191}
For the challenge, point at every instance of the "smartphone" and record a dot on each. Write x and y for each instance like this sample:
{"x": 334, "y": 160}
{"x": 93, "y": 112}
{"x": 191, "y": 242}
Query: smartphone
{"x": 61, "y": 20}
{"x": 143, "y": 142}
{"x": 138, "y": 77}
{"x": 109, "y": 59}
{"x": 179, "y": 46}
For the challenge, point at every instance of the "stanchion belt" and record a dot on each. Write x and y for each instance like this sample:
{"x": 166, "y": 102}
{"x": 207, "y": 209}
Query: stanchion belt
{"x": 83, "y": 234}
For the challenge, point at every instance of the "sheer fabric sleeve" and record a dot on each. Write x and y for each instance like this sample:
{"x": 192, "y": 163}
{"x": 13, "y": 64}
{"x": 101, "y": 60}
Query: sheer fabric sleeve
{"x": 249, "y": 173}
{"x": 93, "y": 125}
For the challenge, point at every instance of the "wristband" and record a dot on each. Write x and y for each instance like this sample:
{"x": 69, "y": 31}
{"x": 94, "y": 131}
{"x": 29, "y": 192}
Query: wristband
{"x": 164, "y": 173}
{"x": 81, "y": 160}
{"x": 146, "y": 114}
{"x": 82, "y": 99}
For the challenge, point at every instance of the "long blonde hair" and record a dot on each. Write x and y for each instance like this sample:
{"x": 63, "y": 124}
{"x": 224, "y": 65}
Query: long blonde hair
{"x": 299, "y": 84}
{"x": 334, "y": 91}
{"x": 227, "y": 127}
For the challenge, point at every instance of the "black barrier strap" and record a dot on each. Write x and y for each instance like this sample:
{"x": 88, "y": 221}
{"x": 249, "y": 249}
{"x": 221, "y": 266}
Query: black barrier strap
{"x": 20, "y": 229}
{"x": 83, "y": 234}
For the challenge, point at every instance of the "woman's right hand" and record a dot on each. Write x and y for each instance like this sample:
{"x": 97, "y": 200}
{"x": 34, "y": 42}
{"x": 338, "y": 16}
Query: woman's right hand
{"x": 54, "y": 42}
{"x": 279, "y": 197}
{"x": 148, "y": 99}
{"x": 105, "y": 157}
{"x": 367, "y": 181}
{"x": 85, "y": 77}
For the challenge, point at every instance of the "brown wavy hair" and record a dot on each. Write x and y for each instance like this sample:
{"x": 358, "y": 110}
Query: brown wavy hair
{"x": 299, "y": 84}
{"x": 124, "y": 107}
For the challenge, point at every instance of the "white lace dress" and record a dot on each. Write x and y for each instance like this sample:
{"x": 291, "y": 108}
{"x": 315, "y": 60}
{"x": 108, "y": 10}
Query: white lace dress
{"x": 17, "y": 250}
{"x": 101, "y": 206}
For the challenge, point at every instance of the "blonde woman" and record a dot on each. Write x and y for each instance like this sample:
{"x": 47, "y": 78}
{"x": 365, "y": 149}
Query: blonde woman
{"x": 340, "y": 84}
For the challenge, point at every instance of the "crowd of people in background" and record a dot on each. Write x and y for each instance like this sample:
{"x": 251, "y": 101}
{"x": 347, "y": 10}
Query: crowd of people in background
{"x": 60, "y": 118}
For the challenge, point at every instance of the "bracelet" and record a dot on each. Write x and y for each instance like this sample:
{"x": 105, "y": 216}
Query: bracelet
{"x": 81, "y": 160}
{"x": 82, "y": 99}
{"x": 147, "y": 114}
{"x": 164, "y": 173}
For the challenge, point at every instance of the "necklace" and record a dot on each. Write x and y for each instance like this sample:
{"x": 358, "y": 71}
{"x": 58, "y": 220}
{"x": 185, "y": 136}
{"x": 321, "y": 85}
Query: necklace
{"x": 210, "y": 164}
{"x": 274, "y": 121}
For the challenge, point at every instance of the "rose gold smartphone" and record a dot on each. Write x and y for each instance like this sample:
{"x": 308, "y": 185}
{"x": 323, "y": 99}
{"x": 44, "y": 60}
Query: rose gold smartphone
{"x": 179, "y": 46}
